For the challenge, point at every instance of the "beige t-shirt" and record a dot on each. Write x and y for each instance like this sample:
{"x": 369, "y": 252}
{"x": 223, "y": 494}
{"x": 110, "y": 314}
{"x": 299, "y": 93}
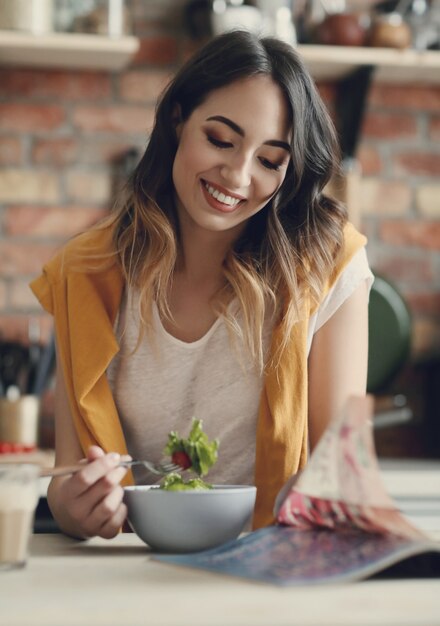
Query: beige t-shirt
{"x": 164, "y": 384}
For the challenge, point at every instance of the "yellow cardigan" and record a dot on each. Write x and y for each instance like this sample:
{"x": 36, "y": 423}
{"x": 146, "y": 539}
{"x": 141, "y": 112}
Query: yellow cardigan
{"x": 85, "y": 303}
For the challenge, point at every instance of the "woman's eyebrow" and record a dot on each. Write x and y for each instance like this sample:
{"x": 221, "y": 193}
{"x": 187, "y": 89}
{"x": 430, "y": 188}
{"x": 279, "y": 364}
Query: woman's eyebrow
{"x": 236, "y": 128}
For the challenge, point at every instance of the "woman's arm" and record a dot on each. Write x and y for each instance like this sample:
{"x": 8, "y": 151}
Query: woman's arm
{"x": 90, "y": 502}
{"x": 338, "y": 361}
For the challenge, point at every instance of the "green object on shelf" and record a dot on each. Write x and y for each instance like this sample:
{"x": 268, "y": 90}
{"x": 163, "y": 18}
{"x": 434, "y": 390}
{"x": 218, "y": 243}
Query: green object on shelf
{"x": 389, "y": 340}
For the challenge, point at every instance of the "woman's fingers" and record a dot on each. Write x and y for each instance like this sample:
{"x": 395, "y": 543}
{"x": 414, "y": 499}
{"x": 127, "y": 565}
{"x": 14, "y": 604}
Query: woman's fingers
{"x": 94, "y": 452}
{"x": 107, "y": 516}
{"x": 93, "y": 471}
{"x": 111, "y": 527}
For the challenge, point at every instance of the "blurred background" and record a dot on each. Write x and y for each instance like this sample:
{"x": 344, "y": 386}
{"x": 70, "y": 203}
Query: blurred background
{"x": 78, "y": 86}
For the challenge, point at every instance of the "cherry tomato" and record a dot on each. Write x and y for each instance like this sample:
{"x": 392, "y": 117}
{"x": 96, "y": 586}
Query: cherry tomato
{"x": 182, "y": 459}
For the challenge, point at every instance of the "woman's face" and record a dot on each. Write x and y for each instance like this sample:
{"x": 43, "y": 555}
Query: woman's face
{"x": 232, "y": 156}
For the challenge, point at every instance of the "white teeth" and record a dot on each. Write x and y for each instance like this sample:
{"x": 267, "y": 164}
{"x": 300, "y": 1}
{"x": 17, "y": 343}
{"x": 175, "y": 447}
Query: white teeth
{"x": 221, "y": 197}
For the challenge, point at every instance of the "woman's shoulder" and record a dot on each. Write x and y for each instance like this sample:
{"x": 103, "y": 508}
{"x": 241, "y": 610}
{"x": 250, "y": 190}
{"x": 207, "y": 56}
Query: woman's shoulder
{"x": 353, "y": 241}
{"x": 87, "y": 252}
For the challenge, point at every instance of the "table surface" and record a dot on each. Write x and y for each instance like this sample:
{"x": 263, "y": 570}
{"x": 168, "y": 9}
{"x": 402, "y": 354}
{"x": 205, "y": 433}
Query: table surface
{"x": 116, "y": 583}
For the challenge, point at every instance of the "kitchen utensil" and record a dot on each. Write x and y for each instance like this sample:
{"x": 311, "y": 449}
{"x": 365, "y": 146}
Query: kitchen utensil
{"x": 44, "y": 368}
{"x": 13, "y": 358}
{"x": 160, "y": 469}
{"x": 34, "y": 353}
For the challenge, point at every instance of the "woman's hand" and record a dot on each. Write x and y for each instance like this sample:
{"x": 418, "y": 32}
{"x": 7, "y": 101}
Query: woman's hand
{"x": 89, "y": 503}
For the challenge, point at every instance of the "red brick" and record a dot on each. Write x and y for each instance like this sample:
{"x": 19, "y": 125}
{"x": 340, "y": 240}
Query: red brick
{"x": 21, "y": 296}
{"x": 106, "y": 150}
{"x": 426, "y": 337}
{"x": 160, "y": 50}
{"x": 424, "y": 303}
{"x": 414, "y": 97}
{"x": 389, "y": 126}
{"x": 403, "y": 268}
{"x": 327, "y": 91}
{"x": 370, "y": 160}
{"x": 434, "y": 128}
{"x": 57, "y": 151}
{"x": 16, "y": 327}
{"x": 30, "y": 117}
{"x": 22, "y": 257}
{"x": 143, "y": 86}
{"x": 384, "y": 197}
{"x": 10, "y": 151}
{"x": 45, "y": 222}
{"x": 123, "y": 119}
{"x": 3, "y": 291}
{"x": 63, "y": 85}
{"x": 19, "y": 185}
{"x": 428, "y": 200}
{"x": 419, "y": 234}
{"x": 417, "y": 163}
{"x": 89, "y": 187}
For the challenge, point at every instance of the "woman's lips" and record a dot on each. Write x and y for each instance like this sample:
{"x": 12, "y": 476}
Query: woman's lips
{"x": 216, "y": 204}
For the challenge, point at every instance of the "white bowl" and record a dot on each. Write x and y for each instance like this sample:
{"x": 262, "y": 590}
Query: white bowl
{"x": 189, "y": 521}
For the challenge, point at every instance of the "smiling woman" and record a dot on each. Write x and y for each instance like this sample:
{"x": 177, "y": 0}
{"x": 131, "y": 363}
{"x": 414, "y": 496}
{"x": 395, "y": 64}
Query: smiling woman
{"x": 225, "y": 286}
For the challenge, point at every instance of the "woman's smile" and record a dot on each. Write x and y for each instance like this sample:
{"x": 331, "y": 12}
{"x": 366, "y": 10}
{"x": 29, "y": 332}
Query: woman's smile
{"x": 220, "y": 198}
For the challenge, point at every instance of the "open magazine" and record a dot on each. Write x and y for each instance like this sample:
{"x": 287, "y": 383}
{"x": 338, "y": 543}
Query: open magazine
{"x": 335, "y": 521}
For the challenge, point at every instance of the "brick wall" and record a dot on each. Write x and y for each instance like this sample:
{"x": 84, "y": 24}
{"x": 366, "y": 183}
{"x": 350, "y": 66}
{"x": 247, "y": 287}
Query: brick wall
{"x": 62, "y": 133}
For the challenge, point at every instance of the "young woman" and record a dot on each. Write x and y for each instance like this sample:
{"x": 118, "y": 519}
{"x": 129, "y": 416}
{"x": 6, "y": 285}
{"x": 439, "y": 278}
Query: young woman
{"x": 227, "y": 287}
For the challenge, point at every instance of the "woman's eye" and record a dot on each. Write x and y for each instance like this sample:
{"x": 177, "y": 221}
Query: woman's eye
{"x": 217, "y": 143}
{"x": 269, "y": 165}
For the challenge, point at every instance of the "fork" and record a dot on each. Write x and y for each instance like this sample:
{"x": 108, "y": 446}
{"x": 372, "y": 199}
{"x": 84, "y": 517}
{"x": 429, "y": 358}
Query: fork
{"x": 161, "y": 469}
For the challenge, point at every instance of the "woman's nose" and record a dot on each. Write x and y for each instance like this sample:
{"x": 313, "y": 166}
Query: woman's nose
{"x": 237, "y": 172}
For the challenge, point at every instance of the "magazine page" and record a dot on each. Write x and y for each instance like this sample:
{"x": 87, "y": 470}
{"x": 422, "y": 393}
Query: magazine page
{"x": 285, "y": 556}
{"x": 341, "y": 486}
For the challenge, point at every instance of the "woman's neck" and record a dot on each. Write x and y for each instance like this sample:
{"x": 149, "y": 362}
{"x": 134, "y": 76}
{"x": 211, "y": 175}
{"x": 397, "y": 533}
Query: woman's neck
{"x": 202, "y": 252}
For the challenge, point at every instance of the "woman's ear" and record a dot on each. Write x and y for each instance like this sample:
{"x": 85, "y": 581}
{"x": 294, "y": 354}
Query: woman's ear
{"x": 177, "y": 120}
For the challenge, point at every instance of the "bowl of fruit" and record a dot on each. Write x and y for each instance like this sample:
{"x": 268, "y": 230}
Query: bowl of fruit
{"x": 184, "y": 513}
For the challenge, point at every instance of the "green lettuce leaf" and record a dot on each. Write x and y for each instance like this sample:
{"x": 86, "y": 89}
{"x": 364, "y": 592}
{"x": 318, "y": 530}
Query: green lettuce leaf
{"x": 175, "y": 482}
{"x": 201, "y": 451}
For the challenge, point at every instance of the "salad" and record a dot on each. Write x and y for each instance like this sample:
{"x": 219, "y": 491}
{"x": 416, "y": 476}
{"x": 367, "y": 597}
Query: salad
{"x": 195, "y": 453}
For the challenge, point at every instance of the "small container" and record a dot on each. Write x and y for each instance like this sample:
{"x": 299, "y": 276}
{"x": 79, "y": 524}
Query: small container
{"x": 34, "y": 16}
{"x": 18, "y": 501}
{"x": 19, "y": 420}
{"x": 390, "y": 31}
{"x": 342, "y": 29}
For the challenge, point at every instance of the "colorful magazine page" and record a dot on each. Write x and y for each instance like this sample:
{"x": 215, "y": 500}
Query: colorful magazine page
{"x": 341, "y": 486}
{"x": 283, "y": 555}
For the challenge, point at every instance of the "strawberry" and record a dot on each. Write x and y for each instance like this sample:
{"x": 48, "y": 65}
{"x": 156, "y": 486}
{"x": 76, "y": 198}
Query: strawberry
{"x": 182, "y": 459}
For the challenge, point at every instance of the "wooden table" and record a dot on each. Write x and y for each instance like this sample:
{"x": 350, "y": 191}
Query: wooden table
{"x": 70, "y": 583}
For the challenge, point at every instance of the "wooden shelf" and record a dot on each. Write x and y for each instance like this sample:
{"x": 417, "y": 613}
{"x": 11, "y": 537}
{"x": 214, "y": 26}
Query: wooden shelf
{"x": 403, "y": 66}
{"x": 67, "y": 50}
{"x": 81, "y": 51}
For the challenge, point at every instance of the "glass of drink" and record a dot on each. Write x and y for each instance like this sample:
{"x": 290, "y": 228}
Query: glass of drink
{"x": 18, "y": 500}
